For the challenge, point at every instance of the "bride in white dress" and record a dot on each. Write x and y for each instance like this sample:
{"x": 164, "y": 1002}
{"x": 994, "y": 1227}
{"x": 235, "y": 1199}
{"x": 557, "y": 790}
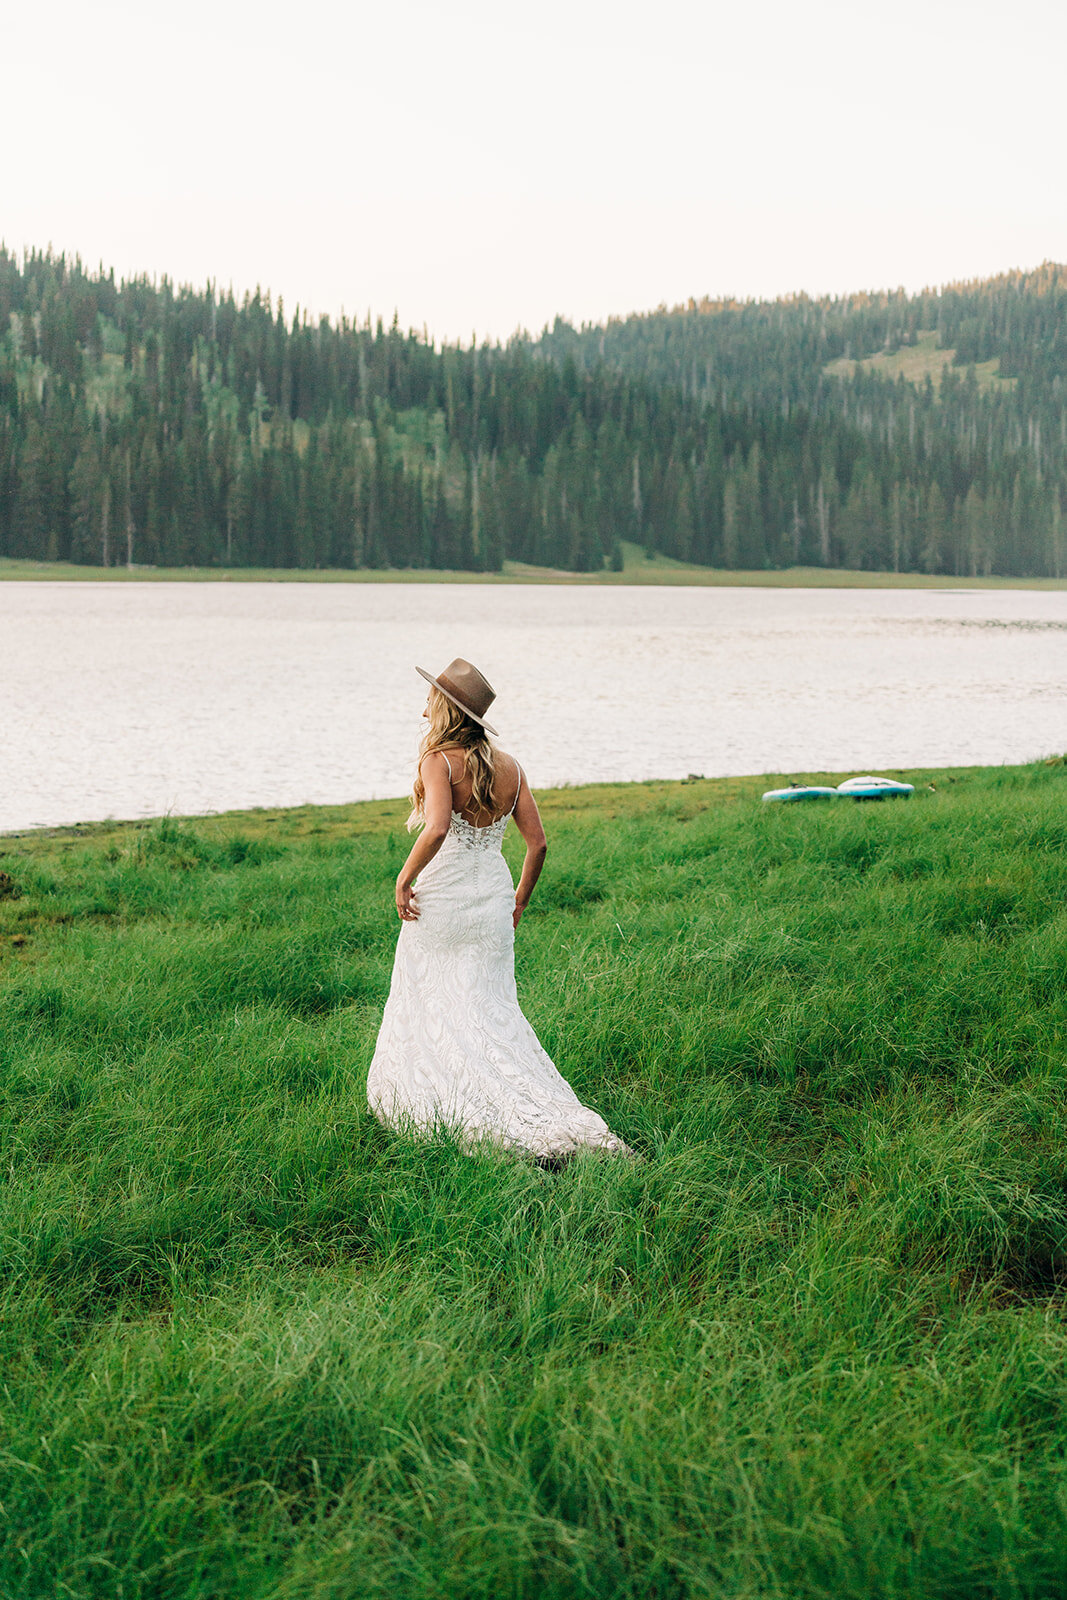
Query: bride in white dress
{"x": 455, "y": 1051}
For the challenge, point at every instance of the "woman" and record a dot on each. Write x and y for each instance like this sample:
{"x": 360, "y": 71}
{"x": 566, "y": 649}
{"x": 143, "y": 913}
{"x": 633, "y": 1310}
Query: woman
{"x": 455, "y": 1050}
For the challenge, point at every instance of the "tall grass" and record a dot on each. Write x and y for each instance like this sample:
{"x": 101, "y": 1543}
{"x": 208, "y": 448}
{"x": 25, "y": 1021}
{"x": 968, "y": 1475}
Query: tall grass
{"x": 813, "y": 1345}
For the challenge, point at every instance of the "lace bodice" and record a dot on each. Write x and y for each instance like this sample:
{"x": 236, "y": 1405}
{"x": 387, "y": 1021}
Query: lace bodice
{"x": 471, "y": 837}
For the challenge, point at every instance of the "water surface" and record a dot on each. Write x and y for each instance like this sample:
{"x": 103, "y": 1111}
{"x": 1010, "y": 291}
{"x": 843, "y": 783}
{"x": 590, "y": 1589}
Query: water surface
{"x": 131, "y": 700}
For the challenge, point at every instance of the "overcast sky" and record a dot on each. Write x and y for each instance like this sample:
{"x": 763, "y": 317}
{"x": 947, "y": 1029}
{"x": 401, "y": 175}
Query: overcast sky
{"x": 479, "y": 166}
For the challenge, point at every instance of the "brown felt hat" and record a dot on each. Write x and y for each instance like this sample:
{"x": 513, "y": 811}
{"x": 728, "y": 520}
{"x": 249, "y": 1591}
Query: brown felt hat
{"x": 465, "y": 687}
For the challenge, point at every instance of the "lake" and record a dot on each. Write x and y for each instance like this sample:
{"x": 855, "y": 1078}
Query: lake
{"x": 135, "y": 699}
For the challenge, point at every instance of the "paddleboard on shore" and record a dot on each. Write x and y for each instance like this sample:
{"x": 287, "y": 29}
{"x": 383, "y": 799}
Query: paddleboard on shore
{"x": 871, "y": 788}
{"x": 802, "y": 791}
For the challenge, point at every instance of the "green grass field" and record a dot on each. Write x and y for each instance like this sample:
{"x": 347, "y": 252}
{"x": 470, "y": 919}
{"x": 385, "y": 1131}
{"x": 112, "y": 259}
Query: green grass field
{"x": 813, "y": 1345}
{"x": 637, "y": 569}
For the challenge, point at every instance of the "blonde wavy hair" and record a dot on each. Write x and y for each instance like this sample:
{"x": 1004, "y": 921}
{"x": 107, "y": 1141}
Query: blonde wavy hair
{"x": 450, "y": 727}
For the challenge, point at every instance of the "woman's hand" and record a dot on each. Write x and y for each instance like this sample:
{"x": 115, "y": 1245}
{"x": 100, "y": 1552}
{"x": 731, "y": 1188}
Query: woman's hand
{"x": 406, "y": 908}
{"x": 517, "y": 914}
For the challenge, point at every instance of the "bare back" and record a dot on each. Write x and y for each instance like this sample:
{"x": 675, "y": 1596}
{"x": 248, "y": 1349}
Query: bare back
{"x": 506, "y": 787}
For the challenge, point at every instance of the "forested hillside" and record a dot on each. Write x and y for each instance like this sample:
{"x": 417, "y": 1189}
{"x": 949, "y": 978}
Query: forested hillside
{"x": 948, "y": 411}
{"x": 142, "y": 423}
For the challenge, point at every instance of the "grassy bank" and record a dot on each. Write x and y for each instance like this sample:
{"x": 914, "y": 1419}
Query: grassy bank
{"x": 813, "y": 1345}
{"x": 637, "y": 569}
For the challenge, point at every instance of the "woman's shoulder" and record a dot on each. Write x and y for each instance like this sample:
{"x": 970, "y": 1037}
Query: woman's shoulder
{"x": 442, "y": 755}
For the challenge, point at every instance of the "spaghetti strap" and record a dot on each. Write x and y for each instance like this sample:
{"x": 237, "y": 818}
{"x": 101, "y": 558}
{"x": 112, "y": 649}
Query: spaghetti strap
{"x": 518, "y": 790}
{"x": 448, "y": 763}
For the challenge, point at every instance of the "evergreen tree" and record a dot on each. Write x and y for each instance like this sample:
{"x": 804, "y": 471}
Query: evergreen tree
{"x": 935, "y": 537}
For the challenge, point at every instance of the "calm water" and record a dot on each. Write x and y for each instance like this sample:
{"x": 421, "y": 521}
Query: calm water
{"x": 130, "y": 700}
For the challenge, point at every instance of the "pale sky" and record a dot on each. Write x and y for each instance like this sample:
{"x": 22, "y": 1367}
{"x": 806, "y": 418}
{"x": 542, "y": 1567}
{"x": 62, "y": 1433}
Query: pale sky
{"x": 481, "y": 166}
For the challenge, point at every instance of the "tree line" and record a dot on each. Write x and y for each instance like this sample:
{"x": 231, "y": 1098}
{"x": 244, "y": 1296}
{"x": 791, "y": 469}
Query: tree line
{"x": 144, "y": 423}
{"x": 967, "y": 473}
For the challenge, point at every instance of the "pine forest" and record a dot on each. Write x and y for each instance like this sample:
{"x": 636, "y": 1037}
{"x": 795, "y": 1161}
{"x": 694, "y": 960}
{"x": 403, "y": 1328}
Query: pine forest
{"x": 147, "y": 424}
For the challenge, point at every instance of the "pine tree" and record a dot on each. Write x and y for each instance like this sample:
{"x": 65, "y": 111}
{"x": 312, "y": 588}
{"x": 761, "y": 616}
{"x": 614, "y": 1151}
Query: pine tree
{"x": 127, "y": 507}
{"x": 33, "y": 531}
{"x": 861, "y": 525}
{"x": 935, "y": 538}
{"x": 86, "y": 496}
{"x": 731, "y": 537}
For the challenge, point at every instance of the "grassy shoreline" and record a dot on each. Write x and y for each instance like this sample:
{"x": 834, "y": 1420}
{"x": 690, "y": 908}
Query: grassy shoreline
{"x": 637, "y": 570}
{"x": 357, "y": 817}
{"x": 812, "y": 1346}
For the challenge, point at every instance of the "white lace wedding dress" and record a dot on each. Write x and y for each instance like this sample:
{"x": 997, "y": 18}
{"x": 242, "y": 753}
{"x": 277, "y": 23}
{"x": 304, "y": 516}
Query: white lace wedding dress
{"x": 455, "y": 1050}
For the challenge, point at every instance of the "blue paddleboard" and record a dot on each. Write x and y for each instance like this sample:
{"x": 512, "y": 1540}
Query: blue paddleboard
{"x": 801, "y": 791}
{"x": 871, "y": 788}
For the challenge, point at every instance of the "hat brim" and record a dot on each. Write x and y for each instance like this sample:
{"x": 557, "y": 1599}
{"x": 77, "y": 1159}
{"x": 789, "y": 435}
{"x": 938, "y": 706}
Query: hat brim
{"x": 488, "y": 726}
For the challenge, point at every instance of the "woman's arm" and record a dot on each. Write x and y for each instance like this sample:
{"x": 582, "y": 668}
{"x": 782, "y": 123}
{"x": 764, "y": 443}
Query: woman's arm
{"x": 528, "y": 822}
{"x": 437, "y": 809}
